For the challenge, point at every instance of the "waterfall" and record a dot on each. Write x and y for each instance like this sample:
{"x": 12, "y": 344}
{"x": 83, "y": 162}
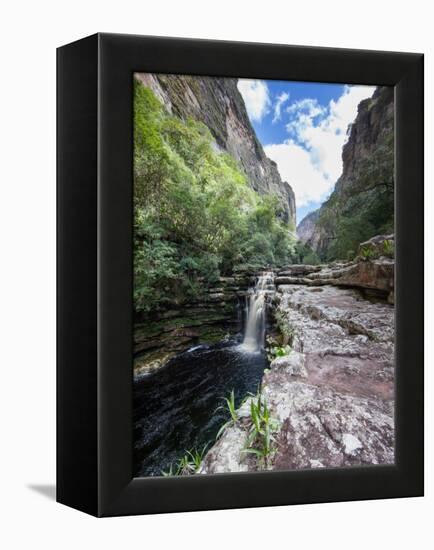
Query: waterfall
{"x": 254, "y": 334}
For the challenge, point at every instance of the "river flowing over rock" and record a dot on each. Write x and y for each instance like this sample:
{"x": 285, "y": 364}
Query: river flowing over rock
{"x": 332, "y": 396}
{"x": 211, "y": 318}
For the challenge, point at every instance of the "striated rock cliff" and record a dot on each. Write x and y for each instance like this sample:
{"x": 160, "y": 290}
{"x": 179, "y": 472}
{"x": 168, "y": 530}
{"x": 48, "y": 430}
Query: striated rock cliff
{"x": 374, "y": 277}
{"x": 361, "y": 204}
{"x": 375, "y": 118}
{"x": 226, "y": 117}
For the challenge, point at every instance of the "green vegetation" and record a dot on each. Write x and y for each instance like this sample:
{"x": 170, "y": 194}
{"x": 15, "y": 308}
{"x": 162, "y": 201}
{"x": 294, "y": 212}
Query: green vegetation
{"x": 365, "y": 207}
{"x": 389, "y": 248}
{"x": 260, "y": 438}
{"x": 285, "y": 328}
{"x": 303, "y": 254}
{"x": 195, "y": 216}
{"x": 230, "y": 405}
{"x": 259, "y": 441}
{"x": 367, "y": 253}
{"x": 372, "y": 251}
{"x": 278, "y": 351}
{"x": 188, "y": 465}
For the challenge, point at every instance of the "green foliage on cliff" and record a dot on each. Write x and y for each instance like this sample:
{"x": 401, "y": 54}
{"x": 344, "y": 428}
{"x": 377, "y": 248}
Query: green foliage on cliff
{"x": 365, "y": 207}
{"x": 195, "y": 216}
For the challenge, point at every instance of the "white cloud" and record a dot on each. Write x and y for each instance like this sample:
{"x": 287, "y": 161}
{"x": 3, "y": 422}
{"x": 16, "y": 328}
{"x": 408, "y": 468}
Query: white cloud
{"x": 311, "y": 159}
{"x": 281, "y": 99}
{"x": 295, "y": 166}
{"x": 306, "y": 106}
{"x": 256, "y": 97}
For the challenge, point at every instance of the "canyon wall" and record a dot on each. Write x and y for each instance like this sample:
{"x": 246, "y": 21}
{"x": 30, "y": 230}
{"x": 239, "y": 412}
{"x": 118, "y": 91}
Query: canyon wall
{"x": 361, "y": 204}
{"x": 218, "y": 104}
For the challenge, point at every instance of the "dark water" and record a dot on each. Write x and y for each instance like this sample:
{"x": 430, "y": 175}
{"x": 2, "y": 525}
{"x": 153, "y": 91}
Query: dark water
{"x": 175, "y": 408}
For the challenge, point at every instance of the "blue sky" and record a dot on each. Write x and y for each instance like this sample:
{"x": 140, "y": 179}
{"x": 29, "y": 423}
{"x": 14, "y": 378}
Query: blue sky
{"x": 302, "y": 127}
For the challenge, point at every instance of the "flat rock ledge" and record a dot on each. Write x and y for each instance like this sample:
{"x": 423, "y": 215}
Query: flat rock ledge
{"x": 371, "y": 275}
{"x": 332, "y": 396}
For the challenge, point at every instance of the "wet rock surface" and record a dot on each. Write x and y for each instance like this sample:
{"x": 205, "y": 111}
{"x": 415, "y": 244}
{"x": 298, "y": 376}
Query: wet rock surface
{"x": 212, "y": 318}
{"x": 333, "y": 395}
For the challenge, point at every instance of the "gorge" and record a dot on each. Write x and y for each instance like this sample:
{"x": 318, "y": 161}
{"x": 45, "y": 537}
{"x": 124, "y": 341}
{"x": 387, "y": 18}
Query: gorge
{"x": 245, "y": 358}
{"x": 341, "y": 357}
{"x": 362, "y": 202}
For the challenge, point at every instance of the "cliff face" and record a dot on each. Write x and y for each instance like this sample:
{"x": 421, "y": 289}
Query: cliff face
{"x": 306, "y": 229}
{"x": 366, "y": 182}
{"x": 218, "y": 104}
{"x": 374, "y": 120}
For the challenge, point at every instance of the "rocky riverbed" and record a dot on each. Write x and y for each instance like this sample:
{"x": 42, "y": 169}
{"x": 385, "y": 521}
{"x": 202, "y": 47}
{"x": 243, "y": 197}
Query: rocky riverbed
{"x": 332, "y": 397}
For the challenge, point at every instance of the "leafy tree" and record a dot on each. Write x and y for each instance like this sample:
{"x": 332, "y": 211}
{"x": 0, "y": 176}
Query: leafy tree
{"x": 196, "y": 218}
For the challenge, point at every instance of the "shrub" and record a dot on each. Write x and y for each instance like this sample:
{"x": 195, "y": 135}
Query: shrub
{"x": 368, "y": 253}
{"x": 388, "y": 248}
{"x": 278, "y": 351}
{"x": 260, "y": 439}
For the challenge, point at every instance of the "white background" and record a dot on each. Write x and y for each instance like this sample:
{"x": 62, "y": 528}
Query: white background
{"x": 30, "y": 32}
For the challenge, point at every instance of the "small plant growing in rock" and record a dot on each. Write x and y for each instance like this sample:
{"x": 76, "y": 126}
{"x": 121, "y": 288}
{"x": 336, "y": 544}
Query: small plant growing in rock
{"x": 278, "y": 351}
{"x": 168, "y": 473}
{"x": 185, "y": 466}
{"x": 388, "y": 248}
{"x": 287, "y": 331}
{"x": 260, "y": 438}
{"x": 367, "y": 253}
{"x": 188, "y": 465}
{"x": 230, "y": 406}
{"x": 196, "y": 457}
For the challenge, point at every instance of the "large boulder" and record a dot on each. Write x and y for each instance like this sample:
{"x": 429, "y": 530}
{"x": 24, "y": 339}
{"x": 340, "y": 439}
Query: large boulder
{"x": 375, "y": 275}
{"x": 226, "y": 455}
{"x": 321, "y": 427}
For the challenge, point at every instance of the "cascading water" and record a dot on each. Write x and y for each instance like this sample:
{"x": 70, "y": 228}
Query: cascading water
{"x": 178, "y": 407}
{"x": 254, "y": 334}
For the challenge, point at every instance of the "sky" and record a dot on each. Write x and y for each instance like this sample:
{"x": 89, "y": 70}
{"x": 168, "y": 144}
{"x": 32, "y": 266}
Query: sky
{"x": 303, "y": 127}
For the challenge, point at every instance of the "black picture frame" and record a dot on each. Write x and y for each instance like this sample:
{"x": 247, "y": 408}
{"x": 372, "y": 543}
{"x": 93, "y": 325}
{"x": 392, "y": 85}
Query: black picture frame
{"x": 94, "y": 262}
